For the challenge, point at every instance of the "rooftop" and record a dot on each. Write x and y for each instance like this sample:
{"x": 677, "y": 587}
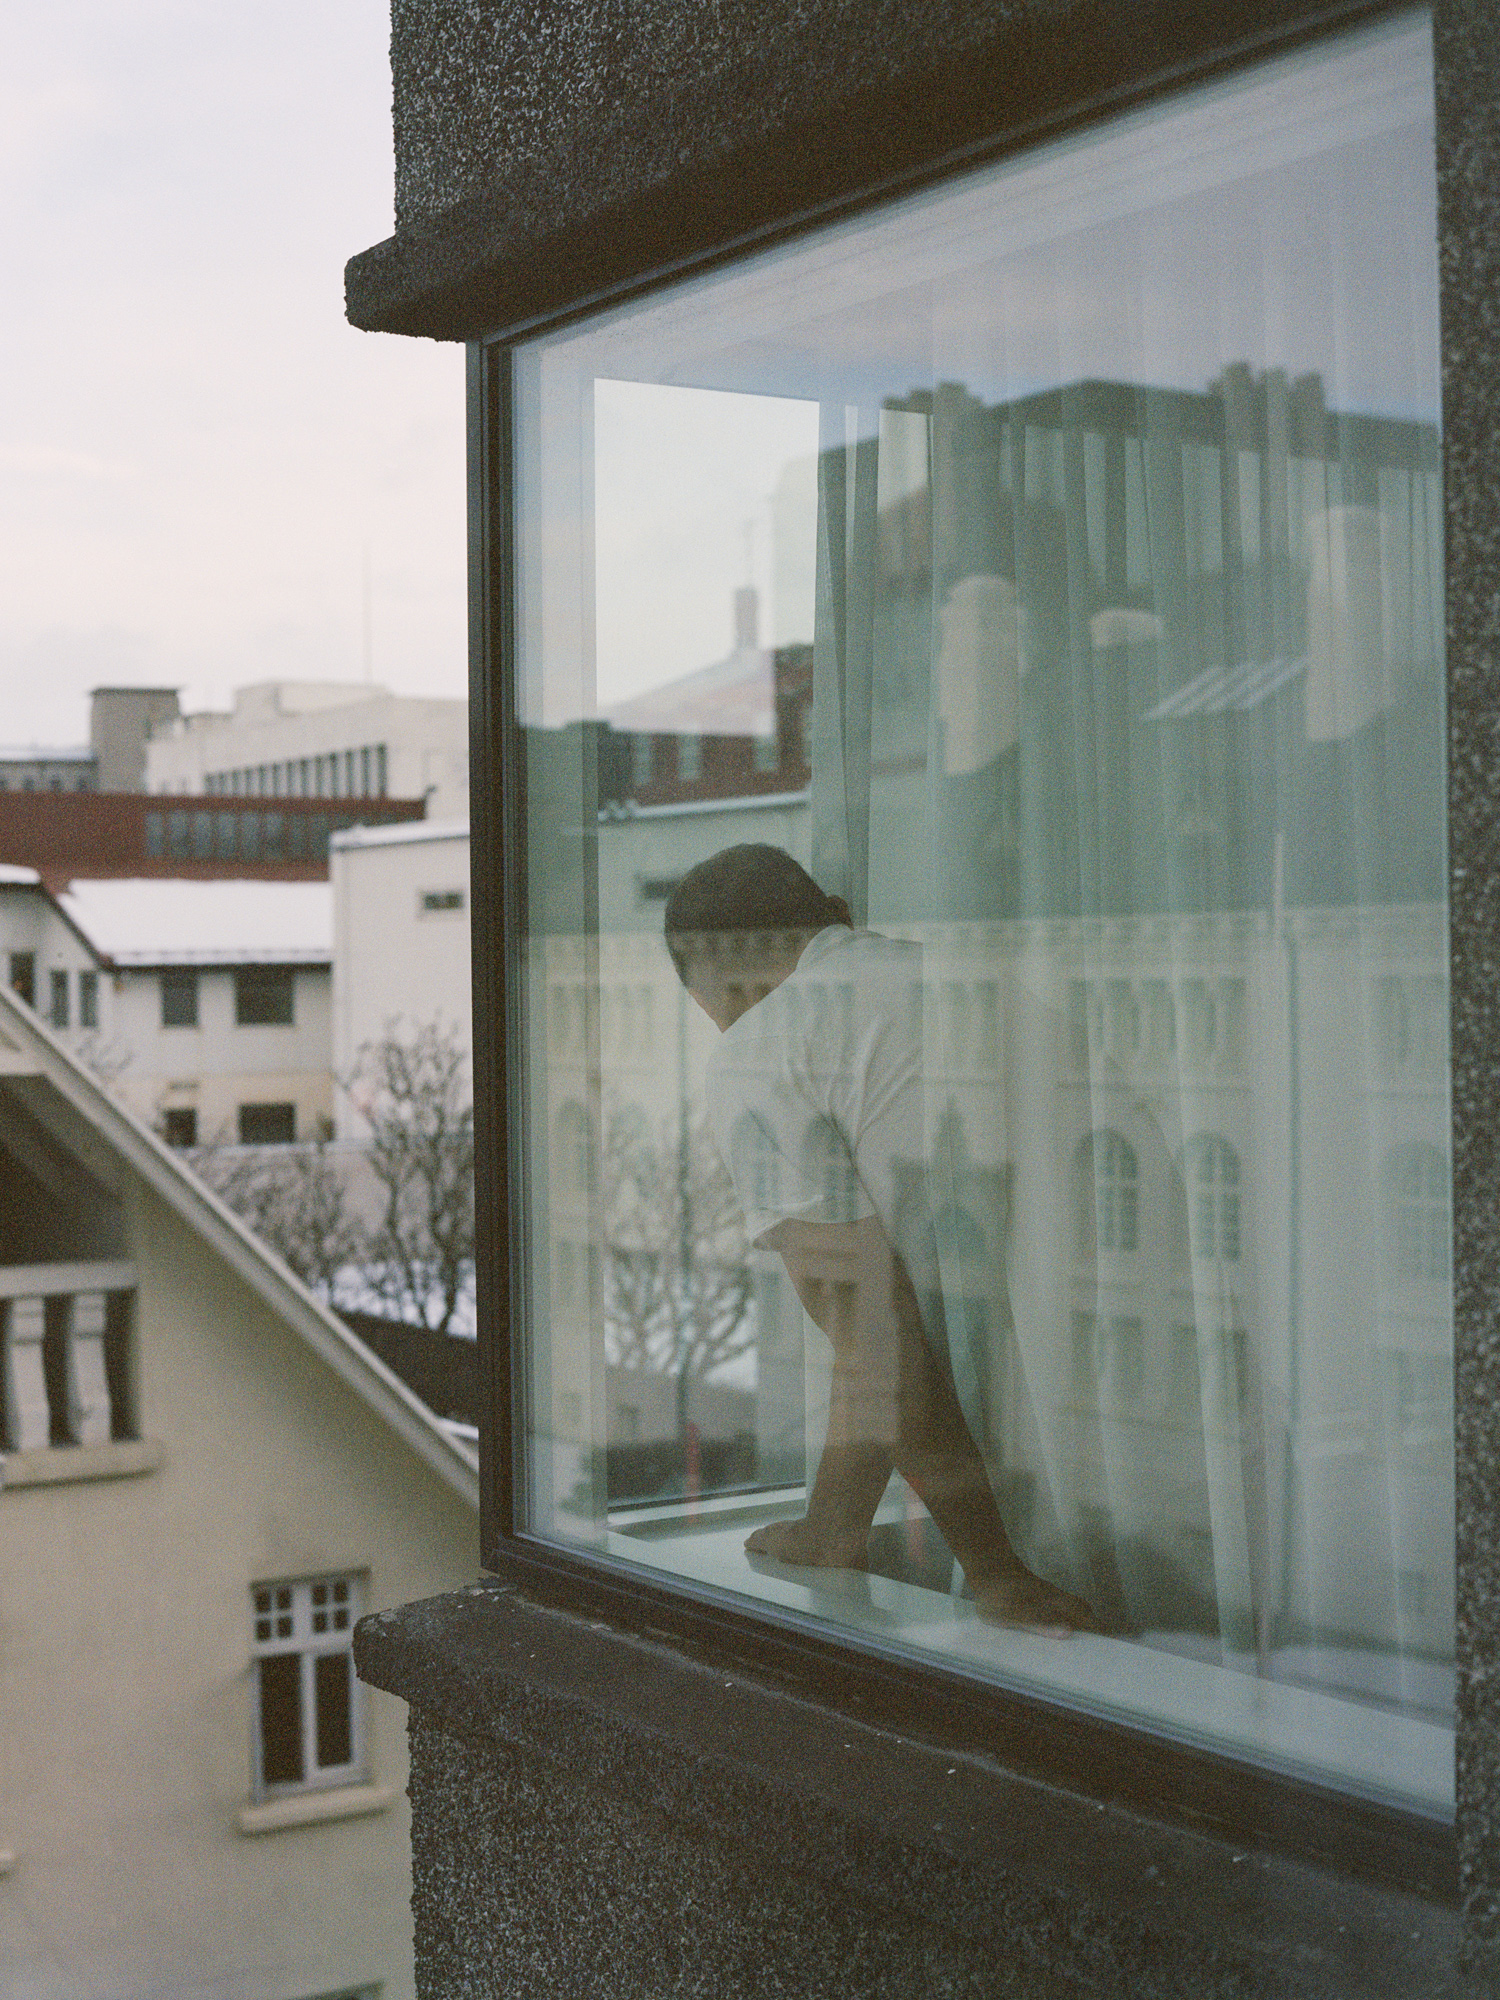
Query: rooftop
{"x": 164, "y": 921}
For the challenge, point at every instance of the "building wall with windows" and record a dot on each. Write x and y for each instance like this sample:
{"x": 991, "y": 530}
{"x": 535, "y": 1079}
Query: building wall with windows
{"x": 1184, "y": 809}
{"x": 294, "y": 739}
{"x": 203, "y": 1481}
{"x": 401, "y": 941}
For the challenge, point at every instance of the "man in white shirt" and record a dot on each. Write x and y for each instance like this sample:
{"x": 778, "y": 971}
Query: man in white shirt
{"x": 817, "y": 1099}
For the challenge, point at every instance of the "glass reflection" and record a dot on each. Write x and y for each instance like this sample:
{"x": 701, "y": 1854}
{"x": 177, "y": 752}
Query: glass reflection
{"x": 1074, "y": 538}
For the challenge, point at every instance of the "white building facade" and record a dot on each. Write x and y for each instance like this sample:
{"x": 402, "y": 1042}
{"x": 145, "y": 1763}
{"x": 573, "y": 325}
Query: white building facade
{"x": 319, "y": 739}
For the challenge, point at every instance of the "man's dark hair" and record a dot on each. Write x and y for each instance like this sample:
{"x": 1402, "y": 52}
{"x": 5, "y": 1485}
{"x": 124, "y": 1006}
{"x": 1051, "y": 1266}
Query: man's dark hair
{"x": 752, "y": 887}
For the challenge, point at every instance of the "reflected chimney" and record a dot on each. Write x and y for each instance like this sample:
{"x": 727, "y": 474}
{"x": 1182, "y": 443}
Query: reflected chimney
{"x": 746, "y": 618}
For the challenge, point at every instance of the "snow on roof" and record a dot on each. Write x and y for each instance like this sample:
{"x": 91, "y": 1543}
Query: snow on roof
{"x": 171, "y": 922}
{"x": 402, "y": 833}
{"x": 10, "y": 871}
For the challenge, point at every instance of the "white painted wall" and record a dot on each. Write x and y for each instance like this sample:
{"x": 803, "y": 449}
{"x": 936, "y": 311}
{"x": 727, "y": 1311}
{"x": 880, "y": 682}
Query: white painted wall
{"x": 218, "y": 1065}
{"x": 394, "y": 958}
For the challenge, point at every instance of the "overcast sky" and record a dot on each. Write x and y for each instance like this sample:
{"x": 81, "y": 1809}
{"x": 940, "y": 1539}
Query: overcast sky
{"x": 196, "y": 449}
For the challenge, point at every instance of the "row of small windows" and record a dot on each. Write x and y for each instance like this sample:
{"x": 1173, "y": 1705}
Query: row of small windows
{"x": 188, "y": 835}
{"x": 61, "y": 989}
{"x": 648, "y": 765}
{"x": 56, "y": 781}
{"x": 340, "y": 774}
{"x": 264, "y": 996}
{"x": 255, "y": 1125}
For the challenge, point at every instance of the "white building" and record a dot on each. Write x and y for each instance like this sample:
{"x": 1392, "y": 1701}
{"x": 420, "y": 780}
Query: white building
{"x": 400, "y": 938}
{"x": 205, "y": 1481}
{"x": 205, "y": 1004}
{"x": 319, "y": 739}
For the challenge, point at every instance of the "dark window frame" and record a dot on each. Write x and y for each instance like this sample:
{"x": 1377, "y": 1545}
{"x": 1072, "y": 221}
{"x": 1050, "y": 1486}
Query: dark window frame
{"x": 285, "y": 1115}
{"x": 1032, "y": 1734}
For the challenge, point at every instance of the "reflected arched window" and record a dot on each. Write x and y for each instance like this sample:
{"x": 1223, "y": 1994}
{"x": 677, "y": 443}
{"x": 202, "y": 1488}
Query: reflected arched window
{"x": 1211, "y": 1168}
{"x": 1417, "y": 1224}
{"x": 1108, "y": 1185}
{"x": 572, "y": 1148}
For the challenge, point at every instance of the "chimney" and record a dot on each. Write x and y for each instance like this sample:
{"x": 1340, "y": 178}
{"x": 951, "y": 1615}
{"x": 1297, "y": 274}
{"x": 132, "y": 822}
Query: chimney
{"x": 746, "y": 618}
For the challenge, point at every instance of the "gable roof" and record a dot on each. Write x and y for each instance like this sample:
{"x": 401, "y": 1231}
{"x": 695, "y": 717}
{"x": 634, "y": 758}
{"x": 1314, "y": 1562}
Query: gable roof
{"x": 29, "y": 1049}
{"x": 165, "y": 920}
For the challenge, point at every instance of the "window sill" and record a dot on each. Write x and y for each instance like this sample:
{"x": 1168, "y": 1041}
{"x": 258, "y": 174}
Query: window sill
{"x": 313, "y": 1808}
{"x": 67, "y": 1464}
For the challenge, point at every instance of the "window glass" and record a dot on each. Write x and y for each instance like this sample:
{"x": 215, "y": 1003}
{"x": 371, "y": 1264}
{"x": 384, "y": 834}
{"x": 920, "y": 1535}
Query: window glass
{"x": 179, "y": 998}
{"x": 1029, "y": 1210}
{"x": 263, "y": 995}
{"x": 267, "y": 1124}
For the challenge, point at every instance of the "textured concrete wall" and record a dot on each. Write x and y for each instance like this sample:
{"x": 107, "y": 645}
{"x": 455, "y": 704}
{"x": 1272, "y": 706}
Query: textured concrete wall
{"x": 1468, "y": 98}
{"x": 594, "y": 1813}
{"x": 547, "y": 152}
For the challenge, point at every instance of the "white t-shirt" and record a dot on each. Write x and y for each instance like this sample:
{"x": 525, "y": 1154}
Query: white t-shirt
{"x": 816, "y": 1092}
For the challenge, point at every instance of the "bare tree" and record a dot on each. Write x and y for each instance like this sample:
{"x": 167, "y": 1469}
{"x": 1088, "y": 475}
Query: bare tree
{"x": 295, "y": 1199}
{"x": 677, "y": 1288}
{"x": 412, "y": 1088}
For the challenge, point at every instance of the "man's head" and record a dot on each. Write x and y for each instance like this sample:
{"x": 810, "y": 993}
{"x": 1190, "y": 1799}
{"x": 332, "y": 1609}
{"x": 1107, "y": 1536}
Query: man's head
{"x": 737, "y": 924}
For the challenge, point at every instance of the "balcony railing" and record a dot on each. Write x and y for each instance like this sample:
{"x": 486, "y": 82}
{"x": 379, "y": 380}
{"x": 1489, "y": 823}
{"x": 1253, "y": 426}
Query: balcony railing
{"x": 63, "y": 1377}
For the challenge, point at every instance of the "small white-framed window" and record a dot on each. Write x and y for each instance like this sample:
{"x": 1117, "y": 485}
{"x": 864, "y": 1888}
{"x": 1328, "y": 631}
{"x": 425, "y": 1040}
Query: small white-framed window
{"x": 308, "y": 1721}
{"x": 1213, "y": 1188}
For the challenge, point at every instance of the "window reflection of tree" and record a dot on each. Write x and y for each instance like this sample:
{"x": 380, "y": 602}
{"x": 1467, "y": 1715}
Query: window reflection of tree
{"x": 571, "y": 1149}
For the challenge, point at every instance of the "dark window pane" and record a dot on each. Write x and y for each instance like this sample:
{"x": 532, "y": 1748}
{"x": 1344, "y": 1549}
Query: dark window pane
{"x": 268, "y": 1124}
{"x": 177, "y": 835}
{"x": 179, "y": 998}
{"x": 271, "y": 837}
{"x": 263, "y": 996}
{"x": 296, "y": 836}
{"x": 225, "y": 841}
{"x": 317, "y": 837}
{"x": 250, "y": 836}
{"x": 179, "y": 1126}
{"x": 59, "y": 1009}
{"x": 23, "y": 975}
{"x": 335, "y": 1735}
{"x": 154, "y": 829}
{"x": 281, "y": 1719}
{"x": 203, "y": 836}
{"x": 88, "y": 999}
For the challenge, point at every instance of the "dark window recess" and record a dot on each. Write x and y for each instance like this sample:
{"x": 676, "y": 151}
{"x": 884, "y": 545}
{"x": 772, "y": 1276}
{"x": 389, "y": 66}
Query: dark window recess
{"x": 263, "y": 996}
{"x": 155, "y": 827}
{"x": 268, "y": 1124}
{"x": 88, "y": 999}
{"x": 331, "y": 1696}
{"x": 55, "y": 1368}
{"x": 179, "y": 1126}
{"x": 179, "y": 998}
{"x": 296, "y": 836}
{"x": 271, "y": 828}
{"x": 177, "y": 835}
{"x": 118, "y": 1373}
{"x": 281, "y": 1719}
{"x": 441, "y": 899}
{"x": 23, "y": 975}
{"x": 317, "y": 837}
{"x": 203, "y": 836}
{"x": 250, "y": 836}
{"x": 225, "y": 844}
{"x": 57, "y": 1011}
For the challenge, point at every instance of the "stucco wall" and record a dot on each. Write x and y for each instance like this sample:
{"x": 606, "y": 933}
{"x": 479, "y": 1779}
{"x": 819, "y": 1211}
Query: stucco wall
{"x": 125, "y": 1675}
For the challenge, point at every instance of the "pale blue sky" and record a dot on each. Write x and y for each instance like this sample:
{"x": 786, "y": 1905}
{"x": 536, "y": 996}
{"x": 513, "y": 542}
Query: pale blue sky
{"x": 195, "y": 447}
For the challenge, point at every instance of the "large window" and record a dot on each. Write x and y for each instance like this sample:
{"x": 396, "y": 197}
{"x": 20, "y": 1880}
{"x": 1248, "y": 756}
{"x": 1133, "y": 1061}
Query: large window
{"x": 1027, "y": 1213}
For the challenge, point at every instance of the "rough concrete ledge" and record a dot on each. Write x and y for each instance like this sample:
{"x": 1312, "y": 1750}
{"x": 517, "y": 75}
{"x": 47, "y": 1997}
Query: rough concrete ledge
{"x": 594, "y": 1811}
{"x": 547, "y": 155}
